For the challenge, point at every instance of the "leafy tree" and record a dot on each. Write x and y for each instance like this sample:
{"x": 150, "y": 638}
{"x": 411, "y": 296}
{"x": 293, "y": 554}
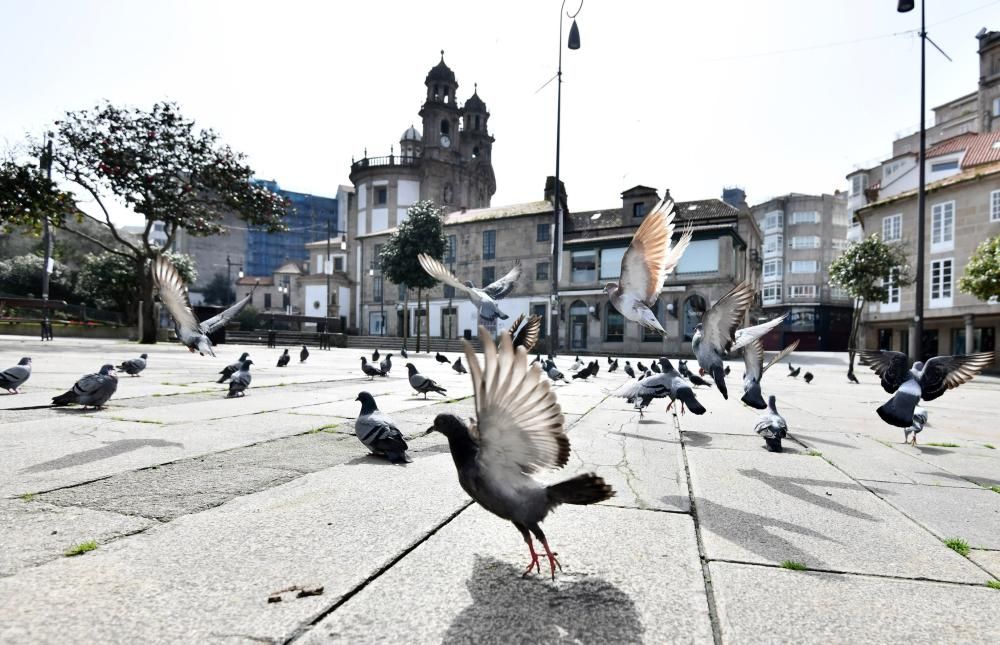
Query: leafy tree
{"x": 422, "y": 232}
{"x": 247, "y": 318}
{"x": 982, "y": 273}
{"x": 110, "y": 281}
{"x": 218, "y": 291}
{"x": 22, "y": 276}
{"x": 866, "y": 270}
{"x": 156, "y": 163}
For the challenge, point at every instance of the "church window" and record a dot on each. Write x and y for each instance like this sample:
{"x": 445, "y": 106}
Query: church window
{"x": 639, "y": 209}
{"x": 476, "y": 126}
{"x": 445, "y": 127}
{"x": 381, "y": 196}
{"x": 436, "y": 93}
{"x": 475, "y": 152}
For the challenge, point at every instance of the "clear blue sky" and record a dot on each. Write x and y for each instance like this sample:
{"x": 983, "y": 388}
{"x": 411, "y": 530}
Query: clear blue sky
{"x": 773, "y": 95}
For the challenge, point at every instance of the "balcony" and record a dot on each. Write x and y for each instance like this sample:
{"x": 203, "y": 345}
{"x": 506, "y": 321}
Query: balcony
{"x": 384, "y": 162}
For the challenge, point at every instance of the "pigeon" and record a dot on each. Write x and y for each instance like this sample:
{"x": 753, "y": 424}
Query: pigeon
{"x": 716, "y": 335}
{"x": 386, "y": 365}
{"x": 808, "y": 377}
{"x": 537, "y": 359}
{"x": 378, "y": 432}
{"x": 240, "y": 381}
{"x": 402, "y": 352}
{"x": 852, "y": 378}
{"x": 595, "y": 367}
{"x": 304, "y": 354}
{"x": 645, "y": 265}
{"x": 232, "y": 368}
{"x": 375, "y": 356}
{"x": 484, "y": 299}
{"x": 524, "y": 333}
{"x": 919, "y": 421}
{"x": 283, "y": 359}
{"x": 794, "y": 373}
{"x": 640, "y": 366}
{"x": 772, "y": 426}
{"x": 613, "y": 367}
{"x": 518, "y": 431}
{"x": 133, "y": 366}
{"x": 458, "y": 367}
{"x": 655, "y": 367}
{"x": 577, "y": 364}
{"x": 753, "y": 360}
{"x": 697, "y": 381}
{"x": 370, "y": 370}
{"x": 667, "y": 383}
{"x": 553, "y": 373}
{"x": 421, "y": 383}
{"x": 584, "y": 373}
{"x": 682, "y": 368}
{"x": 628, "y": 370}
{"x": 92, "y": 390}
{"x": 925, "y": 381}
{"x": 174, "y": 296}
{"x": 14, "y": 377}
{"x": 441, "y": 358}
{"x": 726, "y": 371}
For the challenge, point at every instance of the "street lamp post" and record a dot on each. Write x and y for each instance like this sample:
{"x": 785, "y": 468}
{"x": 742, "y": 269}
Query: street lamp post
{"x": 46, "y": 165}
{"x": 557, "y": 213}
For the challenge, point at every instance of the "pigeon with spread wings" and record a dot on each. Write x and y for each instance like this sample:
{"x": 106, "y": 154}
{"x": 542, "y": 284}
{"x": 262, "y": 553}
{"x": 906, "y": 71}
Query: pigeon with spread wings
{"x": 524, "y": 332}
{"x": 645, "y": 266}
{"x": 485, "y": 298}
{"x": 174, "y": 296}
{"x": 753, "y": 359}
{"x": 518, "y": 431}
{"x": 716, "y": 335}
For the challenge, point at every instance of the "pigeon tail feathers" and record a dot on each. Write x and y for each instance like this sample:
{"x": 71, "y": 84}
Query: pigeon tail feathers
{"x": 582, "y": 490}
{"x": 898, "y": 411}
{"x": 719, "y": 376}
{"x": 686, "y": 395}
{"x": 754, "y": 398}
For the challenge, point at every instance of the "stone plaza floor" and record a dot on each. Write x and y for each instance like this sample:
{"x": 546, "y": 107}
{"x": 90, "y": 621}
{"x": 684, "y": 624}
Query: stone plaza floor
{"x": 203, "y": 507}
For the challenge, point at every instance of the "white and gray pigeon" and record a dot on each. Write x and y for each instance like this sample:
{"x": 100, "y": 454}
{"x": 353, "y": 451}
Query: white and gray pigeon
{"x": 386, "y": 365}
{"x": 553, "y": 372}
{"x": 577, "y": 364}
{"x": 485, "y": 298}
{"x": 174, "y": 296}
{"x": 645, "y": 265}
{"x": 518, "y": 431}
{"x": 378, "y": 432}
{"x": 629, "y": 370}
{"x": 240, "y": 381}
{"x": 232, "y": 368}
{"x": 133, "y": 366}
{"x": 370, "y": 370}
{"x": 666, "y": 383}
{"x": 92, "y": 390}
{"x": 14, "y": 377}
{"x": 919, "y": 421}
{"x": 772, "y": 426}
{"x": 753, "y": 360}
{"x": 422, "y": 384}
{"x": 925, "y": 381}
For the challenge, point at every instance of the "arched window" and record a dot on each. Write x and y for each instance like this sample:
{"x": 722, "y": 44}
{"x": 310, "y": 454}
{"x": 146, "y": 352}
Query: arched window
{"x": 614, "y": 324}
{"x": 476, "y": 126}
{"x": 475, "y": 152}
{"x": 694, "y": 307}
{"x": 445, "y": 126}
{"x": 436, "y": 93}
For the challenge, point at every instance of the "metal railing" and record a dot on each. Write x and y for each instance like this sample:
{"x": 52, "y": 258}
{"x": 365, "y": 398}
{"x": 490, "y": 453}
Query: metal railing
{"x": 390, "y": 160}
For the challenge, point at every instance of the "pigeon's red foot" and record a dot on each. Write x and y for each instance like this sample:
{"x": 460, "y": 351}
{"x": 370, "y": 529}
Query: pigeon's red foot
{"x": 553, "y": 563}
{"x": 534, "y": 561}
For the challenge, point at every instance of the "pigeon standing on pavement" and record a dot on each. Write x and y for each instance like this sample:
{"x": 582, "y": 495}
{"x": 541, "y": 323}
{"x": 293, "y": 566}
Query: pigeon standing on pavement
{"x": 628, "y": 370}
{"x": 524, "y": 332}
{"x": 458, "y": 367}
{"x": 518, "y": 431}
{"x": 485, "y": 299}
{"x": 682, "y": 368}
{"x": 92, "y": 390}
{"x": 386, "y": 364}
{"x": 639, "y": 366}
{"x": 645, "y": 265}
{"x": 667, "y": 383}
{"x": 232, "y": 368}
{"x": 772, "y": 426}
{"x": 753, "y": 360}
{"x": 585, "y": 373}
{"x": 283, "y": 359}
{"x": 14, "y": 377}
{"x": 441, "y": 358}
{"x": 595, "y": 367}
{"x": 133, "y": 366}
{"x": 304, "y": 354}
{"x": 577, "y": 364}
{"x": 613, "y": 367}
{"x": 808, "y": 377}
{"x": 919, "y": 421}
{"x": 655, "y": 367}
{"x": 375, "y": 356}
{"x": 402, "y": 352}
{"x": 925, "y": 381}
{"x": 726, "y": 371}
{"x": 421, "y": 383}
{"x": 697, "y": 381}
{"x": 378, "y": 432}
{"x": 370, "y": 370}
{"x": 240, "y": 381}
{"x": 553, "y": 372}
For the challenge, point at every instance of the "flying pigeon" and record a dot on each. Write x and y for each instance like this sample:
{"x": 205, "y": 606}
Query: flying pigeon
{"x": 421, "y": 383}
{"x": 174, "y": 296}
{"x": 378, "y": 432}
{"x": 808, "y": 376}
{"x": 655, "y": 367}
{"x": 370, "y": 370}
{"x": 232, "y": 368}
{"x": 753, "y": 359}
{"x": 375, "y": 356}
{"x": 852, "y": 378}
{"x": 284, "y": 358}
{"x": 441, "y": 358}
{"x": 386, "y": 365}
{"x": 524, "y": 333}
{"x": 458, "y": 367}
{"x": 772, "y": 426}
{"x": 92, "y": 390}
{"x": 133, "y": 366}
{"x": 645, "y": 266}
{"x": 919, "y": 421}
{"x": 14, "y": 377}
{"x": 518, "y": 431}
{"x": 613, "y": 367}
{"x": 553, "y": 372}
{"x": 240, "y": 381}
{"x": 794, "y": 373}
{"x": 628, "y": 370}
{"x": 304, "y": 354}
{"x": 577, "y": 364}
{"x": 486, "y": 298}
{"x": 925, "y": 381}
{"x": 667, "y": 383}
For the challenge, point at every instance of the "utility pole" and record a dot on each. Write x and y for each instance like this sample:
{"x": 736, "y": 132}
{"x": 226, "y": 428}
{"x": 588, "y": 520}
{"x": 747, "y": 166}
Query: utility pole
{"x": 46, "y": 165}
{"x": 328, "y": 269}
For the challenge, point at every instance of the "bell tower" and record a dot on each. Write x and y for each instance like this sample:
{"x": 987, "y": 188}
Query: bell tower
{"x": 440, "y": 114}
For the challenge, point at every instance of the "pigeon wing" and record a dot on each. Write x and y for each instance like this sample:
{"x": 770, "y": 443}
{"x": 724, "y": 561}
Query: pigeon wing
{"x": 16, "y": 374}
{"x": 643, "y": 267}
{"x": 947, "y": 372}
{"x": 174, "y": 294}
{"x": 780, "y": 356}
{"x": 890, "y": 366}
{"x": 753, "y": 359}
{"x": 745, "y": 335}
{"x": 504, "y": 285}
{"x": 721, "y": 320}
{"x": 219, "y": 320}
{"x": 438, "y": 271}
{"x": 656, "y": 386}
{"x": 525, "y": 333}
{"x": 519, "y": 424}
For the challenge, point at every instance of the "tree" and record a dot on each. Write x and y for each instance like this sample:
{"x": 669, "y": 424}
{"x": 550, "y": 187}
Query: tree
{"x": 982, "y": 273}
{"x": 22, "y": 276}
{"x": 866, "y": 270}
{"x": 110, "y": 281}
{"x": 219, "y": 291}
{"x": 154, "y": 162}
{"x": 422, "y": 232}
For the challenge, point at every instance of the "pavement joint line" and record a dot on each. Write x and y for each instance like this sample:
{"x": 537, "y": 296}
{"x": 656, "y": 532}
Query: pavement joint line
{"x": 886, "y": 481}
{"x": 929, "y": 463}
{"x": 302, "y": 630}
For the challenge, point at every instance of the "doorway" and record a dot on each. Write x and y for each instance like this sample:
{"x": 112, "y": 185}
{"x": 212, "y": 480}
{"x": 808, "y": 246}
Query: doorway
{"x": 930, "y": 345}
{"x": 578, "y": 325}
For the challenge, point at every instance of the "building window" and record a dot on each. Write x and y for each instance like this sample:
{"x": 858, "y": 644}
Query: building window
{"x": 892, "y": 298}
{"x": 701, "y": 256}
{"x": 802, "y": 291}
{"x": 772, "y": 245}
{"x": 858, "y": 184}
{"x": 542, "y": 233}
{"x": 996, "y": 106}
{"x": 402, "y": 293}
{"x": 540, "y": 311}
{"x": 542, "y": 271}
{"x": 941, "y": 283}
{"x": 583, "y": 265}
{"x": 805, "y": 217}
{"x": 805, "y": 242}
{"x": 489, "y": 275}
{"x": 377, "y": 288}
{"x": 840, "y": 218}
{"x": 839, "y": 293}
{"x": 772, "y": 269}
{"x": 943, "y": 227}
{"x": 773, "y": 221}
{"x": 639, "y": 209}
{"x": 445, "y": 126}
{"x": 338, "y": 263}
{"x": 694, "y": 307}
{"x": 995, "y": 205}
{"x": 651, "y": 335}
{"x": 381, "y": 196}
{"x": 489, "y": 245}
{"x": 449, "y": 252}
{"x": 942, "y": 166}
{"x": 614, "y": 324}
{"x": 771, "y": 294}
{"x": 267, "y": 301}
{"x": 611, "y": 263}
{"x": 892, "y": 228}
{"x": 803, "y": 266}
{"x": 449, "y": 291}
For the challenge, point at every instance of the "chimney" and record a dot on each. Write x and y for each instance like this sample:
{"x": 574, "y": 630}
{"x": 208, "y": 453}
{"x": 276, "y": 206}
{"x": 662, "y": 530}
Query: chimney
{"x": 735, "y": 197}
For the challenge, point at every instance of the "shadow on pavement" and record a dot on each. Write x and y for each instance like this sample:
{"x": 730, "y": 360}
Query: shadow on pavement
{"x": 796, "y": 487}
{"x": 109, "y": 449}
{"x": 643, "y": 437}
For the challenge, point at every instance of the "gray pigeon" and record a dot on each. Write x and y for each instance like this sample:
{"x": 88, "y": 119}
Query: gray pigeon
{"x": 458, "y": 367}
{"x": 232, "y": 368}
{"x": 682, "y": 368}
{"x": 378, "y": 432}
{"x": 133, "y": 366}
{"x": 753, "y": 360}
{"x": 92, "y": 390}
{"x": 577, "y": 364}
{"x": 772, "y": 426}
{"x": 613, "y": 367}
{"x": 629, "y": 370}
{"x": 667, "y": 383}
{"x": 304, "y": 354}
{"x": 14, "y": 377}
{"x": 655, "y": 367}
{"x": 486, "y": 298}
{"x": 645, "y": 266}
{"x": 553, "y": 372}
{"x": 370, "y": 370}
{"x": 386, "y": 365}
{"x": 421, "y": 383}
{"x": 919, "y": 421}
{"x": 518, "y": 431}
{"x": 174, "y": 296}
{"x": 925, "y": 381}
{"x": 240, "y": 381}
{"x": 284, "y": 359}
{"x": 807, "y": 377}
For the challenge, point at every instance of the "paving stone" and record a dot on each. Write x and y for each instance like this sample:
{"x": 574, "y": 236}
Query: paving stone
{"x": 749, "y": 441}
{"x": 989, "y": 560}
{"x": 981, "y": 466}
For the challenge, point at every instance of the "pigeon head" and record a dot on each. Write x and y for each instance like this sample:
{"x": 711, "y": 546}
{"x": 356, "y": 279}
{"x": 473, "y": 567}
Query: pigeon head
{"x": 363, "y": 360}
{"x": 610, "y": 288}
{"x": 367, "y": 402}
{"x": 243, "y": 356}
{"x": 388, "y": 356}
{"x": 247, "y": 363}
{"x": 665, "y": 363}
{"x": 25, "y": 361}
{"x": 469, "y": 284}
{"x": 107, "y": 369}
{"x": 450, "y": 426}
{"x": 143, "y": 356}
{"x": 411, "y": 368}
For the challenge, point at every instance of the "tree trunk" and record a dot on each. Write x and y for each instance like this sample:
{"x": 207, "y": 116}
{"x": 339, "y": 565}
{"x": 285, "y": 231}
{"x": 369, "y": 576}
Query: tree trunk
{"x": 406, "y": 315}
{"x": 419, "y": 291}
{"x": 852, "y": 343}
{"x": 150, "y": 323}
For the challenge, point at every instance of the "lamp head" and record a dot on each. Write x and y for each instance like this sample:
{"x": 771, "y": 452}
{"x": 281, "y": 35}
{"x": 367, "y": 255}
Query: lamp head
{"x": 574, "y": 33}
{"x": 905, "y": 5}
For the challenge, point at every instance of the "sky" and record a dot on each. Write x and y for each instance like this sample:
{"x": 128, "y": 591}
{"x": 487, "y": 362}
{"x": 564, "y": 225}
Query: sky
{"x": 774, "y": 96}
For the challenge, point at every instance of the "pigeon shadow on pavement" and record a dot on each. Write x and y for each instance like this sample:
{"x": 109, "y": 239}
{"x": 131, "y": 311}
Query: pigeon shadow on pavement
{"x": 643, "y": 437}
{"x": 371, "y": 459}
{"x": 813, "y": 438}
{"x": 696, "y": 439}
{"x": 796, "y": 487}
{"x": 108, "y": 450}
{"x": 507, "y": 608}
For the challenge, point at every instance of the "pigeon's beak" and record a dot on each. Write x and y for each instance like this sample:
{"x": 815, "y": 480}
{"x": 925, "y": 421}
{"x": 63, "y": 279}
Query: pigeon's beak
{"x": 428, "y": 431}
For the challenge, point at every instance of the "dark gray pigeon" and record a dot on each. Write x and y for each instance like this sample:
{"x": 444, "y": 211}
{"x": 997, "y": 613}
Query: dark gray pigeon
{"x": 655, "y": 367}
{"x": 304, "y": 354}
{"x": 441, "y": 358}
{"x": 484, "y": 299}
{"x": 14, "y": 377}
{"x": 613, "y": 367}
{"x": 370, "y": 370}
{"x": 808, "y": 377}
{"x": 794, "y": 372}
{"x": 403, "y": 353}
{"x": 232, "y": 368}
{"x": 753, "y": 360}
{"x": 628, "y": 370}
{"x": 585, "y": 373}
{"x": 458, "y": 367}
{"x": 378, "y": 432}
{"x": 772, "y": 426}
{"x": 133, "y": 366}
{"x": 518, "y": 431}
{"x": 386, "y": 365}
{"x": 240, "y": 381}
{"x": 284, "y": 358}
{"x": 697, "y": 381}
{"x": 375, "y": 356}
{"x": 92, "y": 390}
{"x": 421, "y": 383}
{"x": 682, "y": 368}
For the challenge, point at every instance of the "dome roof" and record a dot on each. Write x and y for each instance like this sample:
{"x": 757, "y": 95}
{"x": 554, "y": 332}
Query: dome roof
{"x": 440, "y": 72}
{"x": 411, "y": 134}
{"x": 475, "y": 103}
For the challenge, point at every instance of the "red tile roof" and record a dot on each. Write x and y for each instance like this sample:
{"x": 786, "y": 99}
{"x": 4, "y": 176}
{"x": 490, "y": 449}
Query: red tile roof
{"x": 957, "y": 143}
{"x": 985, "y": 148}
